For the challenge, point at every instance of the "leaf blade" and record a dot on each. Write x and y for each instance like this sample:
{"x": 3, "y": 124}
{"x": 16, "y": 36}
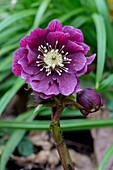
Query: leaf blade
{"x": 101, "y": 46}
{"x": 10, "y": 93}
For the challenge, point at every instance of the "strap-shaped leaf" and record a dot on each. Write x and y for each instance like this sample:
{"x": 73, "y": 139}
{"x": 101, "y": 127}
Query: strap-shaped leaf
{"x": 101, "y": 46}
{"x": 10, "y": 93}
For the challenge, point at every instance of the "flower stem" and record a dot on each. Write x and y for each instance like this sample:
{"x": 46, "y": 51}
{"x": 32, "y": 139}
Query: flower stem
{"x": 58, "y": 138}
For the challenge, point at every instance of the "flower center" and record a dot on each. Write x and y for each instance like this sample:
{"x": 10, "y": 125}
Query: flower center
{"x": 52, "y": 59}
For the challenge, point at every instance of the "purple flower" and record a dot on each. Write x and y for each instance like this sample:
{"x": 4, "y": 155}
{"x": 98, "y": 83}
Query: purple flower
{"x": 90, "y": 100}
{"x": 52, "y": 59}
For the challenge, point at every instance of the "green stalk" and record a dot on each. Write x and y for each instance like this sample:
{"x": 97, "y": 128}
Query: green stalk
{"x": 58, "y": 138}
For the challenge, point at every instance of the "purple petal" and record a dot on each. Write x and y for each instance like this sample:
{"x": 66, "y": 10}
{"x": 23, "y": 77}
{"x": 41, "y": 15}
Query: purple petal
{"x": 55, "y": 25}
{"x": 77, "y": 63}
{"x": 39, "y": 96}
{"x": 38, "y": 32}
{"x": 29, "y": 69}
{"x": 90, "y": 59}
{"x": 81, "y": 72}
{"x": 85, "y": 47}
{"x": 44, "y": 84}
{"x": 27, "y": 41}
{"x": 73, "y": 47}
{"x": 75, "y": 34}
{"x": 37, "y": 37}
{"x": 67, "y": 83}
{"x": 25, "y": 76}
{"x": 57, "y": 36}
{"x": 86, "y": 68}
{"x": 77, "y": 88}
{"x": 32, "y": 55}
{"x": 38, "y": 77}
{"x": 16, "y": 67}
{"x": 53, "y": 89}
{"x": 41, "y": 86}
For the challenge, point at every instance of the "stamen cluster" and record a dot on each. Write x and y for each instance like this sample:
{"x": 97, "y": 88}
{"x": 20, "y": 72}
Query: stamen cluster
{"x": 52, "y": 59}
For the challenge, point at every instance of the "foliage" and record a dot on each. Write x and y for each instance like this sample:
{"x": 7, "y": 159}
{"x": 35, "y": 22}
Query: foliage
{"x": 17, "y": 20}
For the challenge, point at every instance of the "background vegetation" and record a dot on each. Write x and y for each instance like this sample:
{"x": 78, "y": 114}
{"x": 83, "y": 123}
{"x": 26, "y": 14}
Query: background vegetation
{"x": 17, "y": 19}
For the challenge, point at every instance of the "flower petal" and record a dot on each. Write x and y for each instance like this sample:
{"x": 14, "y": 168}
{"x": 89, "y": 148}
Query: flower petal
{"x": 28, "y": 68}
{"x": 25, "y": 76}
{"x": 53, "y": 89}
{"x": 55, "y": 25}
{"x": 75, "y": 34}
{"x": 90, "y": 59}
{"x": 16, "y": 67}
{"x": 37, "y": 37}
{"x": 32, "y": 55}
{"x": 77, "y": 88}
{"x": 40, "y": 76}
{"x": 41, "y": 86}
{"x": 83, "y": 71}
{"x": 27, "y": 41}
{"x": 67, "y": 83}
{"x": 39, "y": 96}
{"x": 61, "y": 37}
{"x": 85, "y": 47}
{"x": 73, "y": 47}
{"x": 78, "y": 61}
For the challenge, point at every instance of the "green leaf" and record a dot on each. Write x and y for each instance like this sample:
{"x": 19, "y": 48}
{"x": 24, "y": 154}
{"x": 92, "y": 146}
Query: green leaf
{"x": 107, "y": 156}
{"x": 8, "y": 48}
{"x": 71, "y": 124}
{"x": 106, "y": 83}
{"x": 79, "y": 21}
{"x": 103, "y": 9}
{"x": 3, "y": 75}
{"x": 7, "y": 84}
{"x": 101, "y": 46}
{"x": 8, "y": 32}
{"x": 16, "y": 137}
{"x": 10, "y": 93}
{"x": 39, "y": 15}
{"x": 11, "y": 19}
{"x": 25, "y": 148}
{"x": 110, "y": 105}
{"x": 68, "y": 112}
{"x": 5, "y": 62}
{"x": 13, "y": 40}
{"x": 65, "y": 17}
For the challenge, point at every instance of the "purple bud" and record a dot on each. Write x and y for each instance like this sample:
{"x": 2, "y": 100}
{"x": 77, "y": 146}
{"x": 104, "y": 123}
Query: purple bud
{"x": 90, "y": 100}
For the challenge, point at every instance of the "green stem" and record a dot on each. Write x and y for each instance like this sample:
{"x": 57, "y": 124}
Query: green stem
{"x": 58, "y": 138}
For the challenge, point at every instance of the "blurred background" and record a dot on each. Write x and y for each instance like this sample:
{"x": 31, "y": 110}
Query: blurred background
{"x": 90, "y": 142}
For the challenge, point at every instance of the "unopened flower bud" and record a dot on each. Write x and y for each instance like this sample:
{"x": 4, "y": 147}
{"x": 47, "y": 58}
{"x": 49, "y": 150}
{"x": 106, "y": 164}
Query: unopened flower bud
{"x": 90, "y": 100}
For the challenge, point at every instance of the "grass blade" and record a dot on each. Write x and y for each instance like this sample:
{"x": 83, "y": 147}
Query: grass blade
{"x": 106, "y": 158}
{"x": 65, "y": 17}
{"x": 103, "y": 9}
{"x": 6, "y": 49}
{"x": 67, "y": 125}
{"x": 10, "y": 93}
{"x": 79, "y": 21}
{"x": 11, "y": 19}
{"x": 106, "y": 83}
{"x": 40, "y": 13}
{"x": 101, "y": 46}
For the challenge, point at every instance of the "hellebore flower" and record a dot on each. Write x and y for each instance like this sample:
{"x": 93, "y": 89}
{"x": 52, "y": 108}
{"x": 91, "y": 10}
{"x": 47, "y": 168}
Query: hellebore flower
{"x": 52, "y": 59}
{"x": 90, "y": 100}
